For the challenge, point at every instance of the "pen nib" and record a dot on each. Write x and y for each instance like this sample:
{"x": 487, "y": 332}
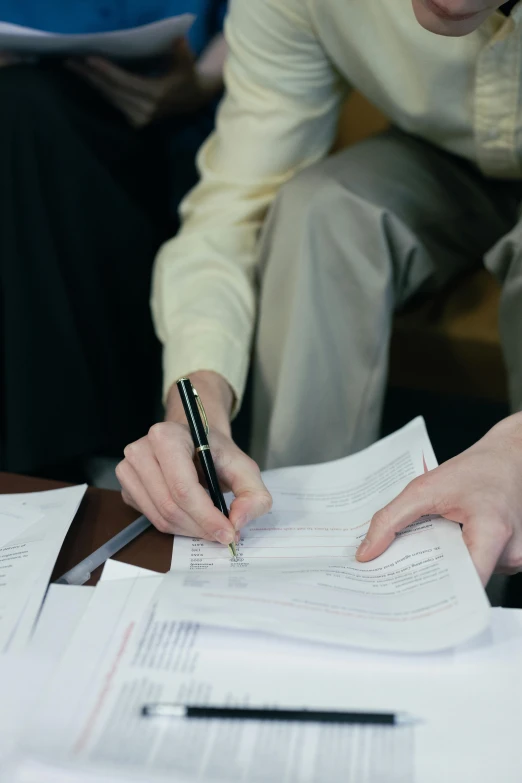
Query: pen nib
{"x": 233, "y": 549}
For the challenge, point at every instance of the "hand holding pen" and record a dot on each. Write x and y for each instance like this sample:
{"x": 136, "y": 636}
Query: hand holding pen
{"x": 159, "y": 475}
{"x": 199, "y": 430}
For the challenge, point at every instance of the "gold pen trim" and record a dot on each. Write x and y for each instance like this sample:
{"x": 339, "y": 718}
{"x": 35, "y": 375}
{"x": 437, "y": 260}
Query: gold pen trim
{"x": 201, "y": 409}
{"x": 202, "y": 448}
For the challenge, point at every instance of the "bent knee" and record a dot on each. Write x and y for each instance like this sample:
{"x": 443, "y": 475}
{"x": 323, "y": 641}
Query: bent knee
{"x": 361, "y": 172}
{"x": 333, "y": 194}
{"x": 381, "y": 172}
{"x": 304, "y": 200}
{"x": 305, "y": 186}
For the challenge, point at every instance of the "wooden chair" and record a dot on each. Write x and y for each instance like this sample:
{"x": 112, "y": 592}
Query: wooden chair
{"x": 450, "y": 342}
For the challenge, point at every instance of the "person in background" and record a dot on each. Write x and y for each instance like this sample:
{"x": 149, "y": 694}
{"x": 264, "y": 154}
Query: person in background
{"x": 94, "y": 159}
{"x": 348, "y": 238}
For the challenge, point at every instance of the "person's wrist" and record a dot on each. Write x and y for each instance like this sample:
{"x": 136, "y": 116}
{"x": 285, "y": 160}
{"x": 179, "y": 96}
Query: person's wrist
{"x": 509, "y": 429}
{"x": 216, "y": 396}
{"x": 209, "y": 84}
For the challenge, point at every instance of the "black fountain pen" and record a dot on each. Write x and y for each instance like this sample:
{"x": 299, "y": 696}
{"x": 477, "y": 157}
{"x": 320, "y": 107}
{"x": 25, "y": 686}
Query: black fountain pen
{"x": 198, "y": 423}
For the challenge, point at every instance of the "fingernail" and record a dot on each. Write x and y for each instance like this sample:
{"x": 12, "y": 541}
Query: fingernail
{"x": 363, "y": 548}
{"x": 238, "y": 538}
{"x": 224, "y": 537}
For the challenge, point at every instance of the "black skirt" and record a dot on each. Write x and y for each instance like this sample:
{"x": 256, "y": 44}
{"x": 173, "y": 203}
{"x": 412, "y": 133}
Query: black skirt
{"x": 83, "y": 210}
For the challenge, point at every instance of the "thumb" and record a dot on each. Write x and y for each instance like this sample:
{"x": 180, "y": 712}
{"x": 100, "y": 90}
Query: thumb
{"x": 252, "y": 498}
{"x": 486, "y": 542}
{"x": 413, "y": 502}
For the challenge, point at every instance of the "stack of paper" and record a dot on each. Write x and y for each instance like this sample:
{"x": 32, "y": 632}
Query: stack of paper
{"x": 185, "y": 638}
{"x": 121, "y": 657}
{"x": 296, "y": 573}
{"x": 92, "y": 708}
{"x": 411, "y": 632}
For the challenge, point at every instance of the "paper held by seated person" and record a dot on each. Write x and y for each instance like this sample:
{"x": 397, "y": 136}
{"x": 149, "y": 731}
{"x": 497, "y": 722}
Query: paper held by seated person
{"x": 32, "y": 529}
{"x": 296, "y": 574}
{"x": 150, "y": 40}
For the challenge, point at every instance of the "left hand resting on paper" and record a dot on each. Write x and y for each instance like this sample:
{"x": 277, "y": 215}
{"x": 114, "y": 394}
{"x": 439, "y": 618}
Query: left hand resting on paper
{"x": 184, "y": 88}
{"x": 481, "y": 489}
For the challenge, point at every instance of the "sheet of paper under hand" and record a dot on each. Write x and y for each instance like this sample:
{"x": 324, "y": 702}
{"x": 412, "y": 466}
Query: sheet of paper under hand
{"x": 296, "y": 573}
{"x": 148, "y": 40}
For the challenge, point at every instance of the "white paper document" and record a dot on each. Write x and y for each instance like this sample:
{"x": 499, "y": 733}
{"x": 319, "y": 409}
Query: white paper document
{"x": 22, "y": 679}
{"x": 119, "y": 659}
{"x": 296, "y": 574}
{"x": 27, "y": 559}
{"x": 114, "y": 569}
{"x": 122, "y": 656}
{"x": 24, "y": 769}
{"x": 62, "y": 612}
{"x": 148, "y": 40}
{"x": 15, "y": 518}
{"x": 139, "y": 640}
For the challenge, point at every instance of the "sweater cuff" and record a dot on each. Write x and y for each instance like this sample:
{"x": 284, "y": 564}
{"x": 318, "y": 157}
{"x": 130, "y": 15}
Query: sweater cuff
{"x": 207, "y": 350}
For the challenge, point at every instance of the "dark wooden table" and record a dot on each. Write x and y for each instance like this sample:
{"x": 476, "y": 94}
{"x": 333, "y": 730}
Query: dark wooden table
{"x": 101, "y": 515}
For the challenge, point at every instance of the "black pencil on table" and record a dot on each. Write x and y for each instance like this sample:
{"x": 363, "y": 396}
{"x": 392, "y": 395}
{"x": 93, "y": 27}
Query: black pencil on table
{"x": 165, "y": 710}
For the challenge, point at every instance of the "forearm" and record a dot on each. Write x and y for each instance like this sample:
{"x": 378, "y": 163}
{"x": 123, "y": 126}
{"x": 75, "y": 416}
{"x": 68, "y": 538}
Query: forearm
{"x": 271, "y": 126}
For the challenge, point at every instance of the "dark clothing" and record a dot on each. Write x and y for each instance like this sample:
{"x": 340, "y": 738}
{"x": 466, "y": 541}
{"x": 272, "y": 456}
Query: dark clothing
{"x": 83, "y": 210}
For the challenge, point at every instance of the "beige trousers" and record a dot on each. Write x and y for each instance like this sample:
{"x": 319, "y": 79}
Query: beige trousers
{"x": 347, "y": 242}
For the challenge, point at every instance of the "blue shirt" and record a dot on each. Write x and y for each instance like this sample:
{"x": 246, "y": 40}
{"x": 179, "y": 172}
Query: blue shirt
{"x": 97, "y": 16}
